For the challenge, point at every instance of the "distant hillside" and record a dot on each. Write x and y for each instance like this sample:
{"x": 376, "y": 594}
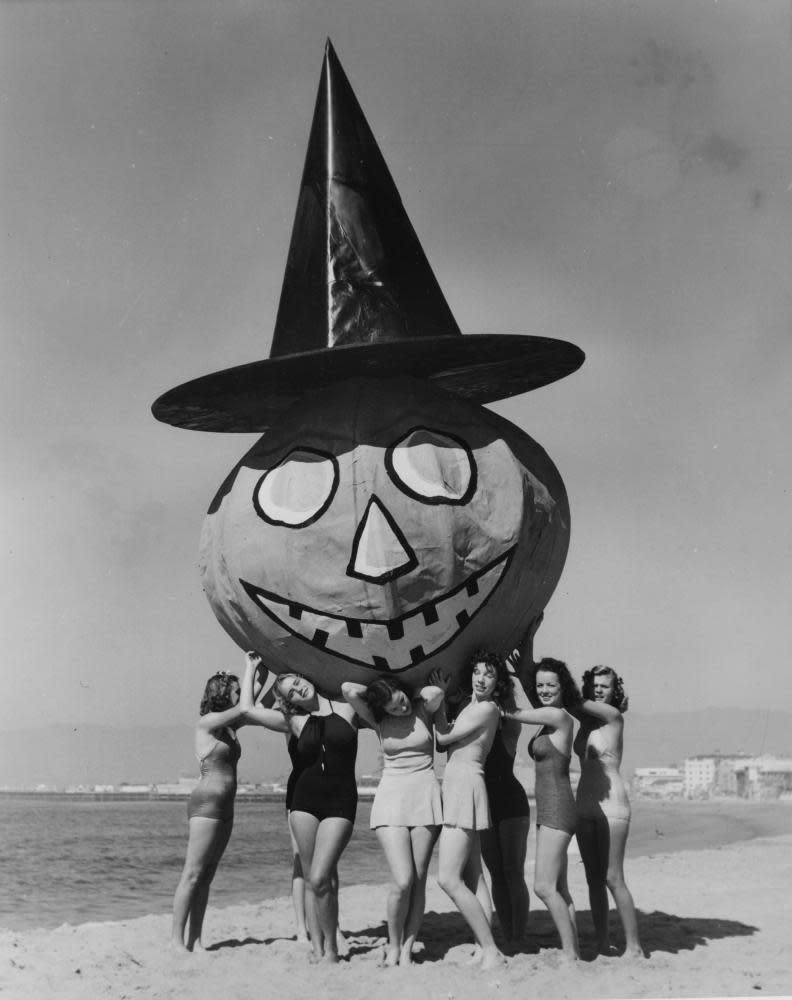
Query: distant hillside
{"x": 66, "y": 755}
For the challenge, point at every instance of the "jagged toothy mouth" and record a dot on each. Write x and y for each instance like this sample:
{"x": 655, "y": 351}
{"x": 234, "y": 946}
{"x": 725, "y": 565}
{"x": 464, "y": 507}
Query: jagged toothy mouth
{"x": 392, "y": 645}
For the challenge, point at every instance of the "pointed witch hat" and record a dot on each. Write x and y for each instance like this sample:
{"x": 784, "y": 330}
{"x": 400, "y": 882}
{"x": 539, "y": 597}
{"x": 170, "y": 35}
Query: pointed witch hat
{"x": 359, "y": 296}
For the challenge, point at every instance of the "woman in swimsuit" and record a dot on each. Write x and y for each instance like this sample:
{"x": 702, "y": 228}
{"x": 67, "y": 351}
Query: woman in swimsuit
{"x": 504, "y": 845}
{"x": 210, "y": 808}
{"x": 551, "y": 689}
{"x": 407, "y": 810}
{"x": 465, "y": 805}
{"x": 324, "y": 800}
{"x": 603, "y": 806}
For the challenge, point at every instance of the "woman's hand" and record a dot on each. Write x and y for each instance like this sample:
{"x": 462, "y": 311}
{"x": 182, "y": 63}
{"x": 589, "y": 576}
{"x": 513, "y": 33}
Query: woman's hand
{"x": 440, "y": 679}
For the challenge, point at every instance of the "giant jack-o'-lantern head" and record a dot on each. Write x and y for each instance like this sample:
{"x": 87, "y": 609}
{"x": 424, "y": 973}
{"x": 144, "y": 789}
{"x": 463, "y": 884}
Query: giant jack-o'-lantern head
{"x": 384, "y": 527}
{"x": 385, "y": 522}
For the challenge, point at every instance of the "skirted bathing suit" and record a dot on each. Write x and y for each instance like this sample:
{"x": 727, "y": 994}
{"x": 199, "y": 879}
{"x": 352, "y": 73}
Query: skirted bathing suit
{"x": 507, "y": 797}
{"x": 325, "y": 759}
{"x": 408, "y": 793}
{"x": 555, "y": 804}
{"x": 213, "y": 796}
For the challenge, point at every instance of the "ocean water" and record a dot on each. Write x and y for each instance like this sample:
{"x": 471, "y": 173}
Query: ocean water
{"x": 67, "y": 861}
{"x": 70, "y": 861}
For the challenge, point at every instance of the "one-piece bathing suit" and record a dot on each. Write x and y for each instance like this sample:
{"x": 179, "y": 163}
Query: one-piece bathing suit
{"x": 555, "y": 804}
{"x": 408, "y": 793}
{"x": 213, "y": 796}
{"x": 507, "y": 797}
{"x": 601, "y": 790}
{"x": 325, "y": 756}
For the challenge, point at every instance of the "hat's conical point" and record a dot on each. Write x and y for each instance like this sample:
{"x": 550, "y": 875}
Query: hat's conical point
{"x": 359, "y": 296}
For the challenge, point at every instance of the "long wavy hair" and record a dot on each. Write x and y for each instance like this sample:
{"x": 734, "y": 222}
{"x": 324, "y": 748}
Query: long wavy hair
{"x": 503, "y": 692}
{"x": 619, "y": 699}
{"x": 217, "y": 693}
{"x": 379, "y": 693}
{"x": 570, "y": 693}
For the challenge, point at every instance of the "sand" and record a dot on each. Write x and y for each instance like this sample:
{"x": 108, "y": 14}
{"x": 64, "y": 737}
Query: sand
{"x": 715, "y": 922}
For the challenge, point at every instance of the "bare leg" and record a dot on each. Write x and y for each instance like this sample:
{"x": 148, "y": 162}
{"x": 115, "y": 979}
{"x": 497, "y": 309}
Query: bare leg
{"x": 397, "y": 845}
{"x": 473, "y": 876}
{"x": 551, "y": 851}
{"x": 206, "y": 843}
{"x": 493, "y": 859}
{"x": 321, "y": 845}
{"x": 298, "y": 891}
{"x": 594, "y": 854}
{"x": 456, "y": 845}
{"x": 563, "y": 889}
{"x": 618, "y": 887}
{"x": 513, "y": 836}
{"x": 423, "y": 840}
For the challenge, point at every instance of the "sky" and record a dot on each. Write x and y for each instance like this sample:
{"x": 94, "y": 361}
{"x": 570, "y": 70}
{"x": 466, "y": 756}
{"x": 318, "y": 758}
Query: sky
{"x": 616, "y": 174}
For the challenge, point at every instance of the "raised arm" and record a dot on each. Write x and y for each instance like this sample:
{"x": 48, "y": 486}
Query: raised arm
{"x": 231, "y": 716}
{"x": 469, "y": 723}
{"x": 354, "y": 694}
{"x": 432, "y": 695}
{"x": 258, "y": 715}
{"x": 555, "y": 718}
{"x": 521, "y": 659}
{"x": 600, "y": 710}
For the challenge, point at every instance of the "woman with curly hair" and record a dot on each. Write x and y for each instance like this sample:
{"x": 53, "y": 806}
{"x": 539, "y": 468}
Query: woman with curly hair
{"x": 210, "y": 808}
{"x": 465, "y": 803}
{"x": 407, "y": 811}
{"x": 552, "y": 692}
{"x": 602, "y": 804}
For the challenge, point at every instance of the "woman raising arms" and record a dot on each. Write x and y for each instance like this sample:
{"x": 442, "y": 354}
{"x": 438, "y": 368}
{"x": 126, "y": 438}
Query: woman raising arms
{"x": 465, "y": 805}
{"x": 603, "y": 806}
{"x": 407, "y": 812}
{"x": 324, "y": 799}
{"x": 210, "y": 808}
{"x": 552, "y": 691}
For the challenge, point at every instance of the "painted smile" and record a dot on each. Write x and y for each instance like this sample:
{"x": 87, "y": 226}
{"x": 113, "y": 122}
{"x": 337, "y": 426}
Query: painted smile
{"x": 392, "y": 645}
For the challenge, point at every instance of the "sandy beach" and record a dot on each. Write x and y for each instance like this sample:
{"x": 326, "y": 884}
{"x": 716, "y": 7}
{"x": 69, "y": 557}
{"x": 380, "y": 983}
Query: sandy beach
{"x": 714, "y": 922}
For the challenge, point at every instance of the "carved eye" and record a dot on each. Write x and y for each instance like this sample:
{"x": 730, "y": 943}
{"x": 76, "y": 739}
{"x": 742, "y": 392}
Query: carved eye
{"x": 298, "y": 490}
{"x": 432, "y": 467}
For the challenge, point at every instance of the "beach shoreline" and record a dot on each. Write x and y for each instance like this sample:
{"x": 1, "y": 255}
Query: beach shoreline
{"x": 714, "y": 923}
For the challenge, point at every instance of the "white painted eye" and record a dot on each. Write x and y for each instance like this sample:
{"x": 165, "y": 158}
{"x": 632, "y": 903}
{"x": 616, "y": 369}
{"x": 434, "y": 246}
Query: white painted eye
{"x": 298, "y": 490}
{"x": 432, "y": 467}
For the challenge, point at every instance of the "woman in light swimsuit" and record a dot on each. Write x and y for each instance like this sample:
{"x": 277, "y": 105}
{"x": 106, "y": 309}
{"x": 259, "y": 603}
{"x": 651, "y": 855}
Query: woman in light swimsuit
{"x": 210, "y": 808}
{"x": 407, "y": 811}
{"x": 465, "y": 804}
{"x": 603, "y": 807}
{"x": 324, "y": 798}
{"x": 551, "y": 689}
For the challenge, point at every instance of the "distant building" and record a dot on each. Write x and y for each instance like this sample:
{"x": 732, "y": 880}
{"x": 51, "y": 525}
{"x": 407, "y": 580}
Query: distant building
{"x": 765, "y": 777}
{"x": 658, "y": 782}
{"x": 711, "y": 774}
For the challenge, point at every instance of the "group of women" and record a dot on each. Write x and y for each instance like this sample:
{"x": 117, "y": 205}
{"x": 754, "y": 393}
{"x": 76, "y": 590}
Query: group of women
{"x": 481, "y": 809}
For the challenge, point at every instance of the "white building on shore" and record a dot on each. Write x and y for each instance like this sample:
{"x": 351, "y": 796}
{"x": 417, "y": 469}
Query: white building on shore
{"x": 765, "y": 777}
{"x": 658, "y": 782}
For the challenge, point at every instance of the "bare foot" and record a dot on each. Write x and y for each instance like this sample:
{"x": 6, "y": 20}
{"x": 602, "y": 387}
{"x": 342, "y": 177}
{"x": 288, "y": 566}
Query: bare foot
{"x": 491, "y": 958}
{"x": 476, "y": 957}
{"x": 331, "y": 956}
{"x": 342, "y": 943}
{"x": 405, "y": 956}
{"x": 390, "y": 958}
{"x": 636, "y": 954}
{"x": 179, "y": 946}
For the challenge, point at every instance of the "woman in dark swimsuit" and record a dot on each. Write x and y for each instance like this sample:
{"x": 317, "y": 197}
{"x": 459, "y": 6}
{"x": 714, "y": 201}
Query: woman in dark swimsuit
{"x": 210, "y": 808}
{"x": 324, "y": 798}
{"x": 550, "y": 688}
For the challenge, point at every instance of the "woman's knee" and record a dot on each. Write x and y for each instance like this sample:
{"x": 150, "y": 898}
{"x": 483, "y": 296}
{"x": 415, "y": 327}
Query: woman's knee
{"x": 544, "y": 888}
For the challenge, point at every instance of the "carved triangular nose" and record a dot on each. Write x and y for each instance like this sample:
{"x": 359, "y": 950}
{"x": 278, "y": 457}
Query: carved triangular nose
{"x": 380, "y": 552}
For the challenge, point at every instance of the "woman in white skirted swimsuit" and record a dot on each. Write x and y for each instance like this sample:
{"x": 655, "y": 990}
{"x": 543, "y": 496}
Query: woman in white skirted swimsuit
{"x": 603, "y": 807}
{"x": 407, "y": 811}
{"x": 465, "y": 803}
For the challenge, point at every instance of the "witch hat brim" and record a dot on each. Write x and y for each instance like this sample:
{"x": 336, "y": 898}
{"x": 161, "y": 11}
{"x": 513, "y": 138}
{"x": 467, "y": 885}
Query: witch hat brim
{"x": 359, "y": 296}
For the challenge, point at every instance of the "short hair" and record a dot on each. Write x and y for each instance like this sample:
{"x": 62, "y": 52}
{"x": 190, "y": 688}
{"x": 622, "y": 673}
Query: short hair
{"x": 504, "y": 685}
{"x": 570, "y": 694}
{"x": 619, "y": 694}
{"x": 282, "y": 703}
{"x": 217, "y": 693}
{"x": 379, "y": 693}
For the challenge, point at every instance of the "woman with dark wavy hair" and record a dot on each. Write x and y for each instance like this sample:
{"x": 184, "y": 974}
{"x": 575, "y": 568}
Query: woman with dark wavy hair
{"x": 465, "y": 803}
{"x": 407, "y": 810}
{"x": 553, "y": 693}
{"x": 603, "y": 806}
{"x": 210, "y": 808}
